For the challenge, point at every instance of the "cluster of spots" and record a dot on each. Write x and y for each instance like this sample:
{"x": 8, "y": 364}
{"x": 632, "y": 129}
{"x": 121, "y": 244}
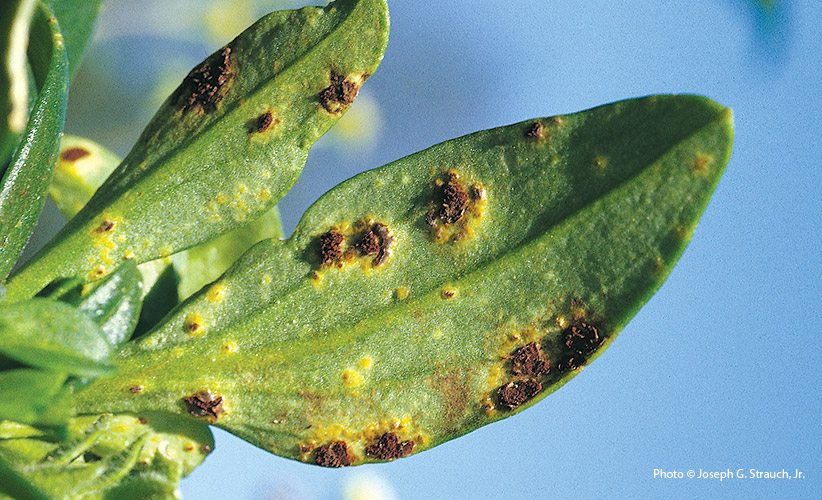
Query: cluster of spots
{"x": 351, "y": 378}
{"x": 449, "y": 293}
{"x": 385, "y": 440}
{"x": 239, "y": 204}
{"x": 104, "y": 239}
{"x": 389, "y": 447}
{"x": 74, "y": 154}
{"x": 204, "y": 86}
{"x": 454, "y": 208}
{"x": 531, "y": 367}
{"x": 535, "y": 131}
{"x": 368, "y": 239}
{"x": 340, "y": 93}
{"x": 205, "y": 405}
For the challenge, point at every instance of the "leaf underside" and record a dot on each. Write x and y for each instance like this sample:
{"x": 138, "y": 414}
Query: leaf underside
{"x": 447, "y": 290}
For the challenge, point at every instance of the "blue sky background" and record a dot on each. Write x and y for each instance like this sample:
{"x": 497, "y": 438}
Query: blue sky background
{"x": 720, "y": 370}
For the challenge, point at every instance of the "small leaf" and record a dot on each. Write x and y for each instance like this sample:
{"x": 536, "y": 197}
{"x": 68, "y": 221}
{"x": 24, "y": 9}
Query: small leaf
{"x": 113, "y": 302}
{"x": 76, "y": 18}
{"x": 15, "y": 18}
{"x": 24, "y": 184}
{"x": 227, "y": 145}
{"x": 27, "y": 393}
{"x": 111, "y": 456}
{"x": 452, "y": 288}
{"x": 55, "y": 336}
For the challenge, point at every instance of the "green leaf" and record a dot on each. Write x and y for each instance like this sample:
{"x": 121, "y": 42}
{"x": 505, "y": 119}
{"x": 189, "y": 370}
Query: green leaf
{"x": 113, "y": 303}
{"x": 24, "y": 184}
{"x": 76, "y": 18}
{"x": 54, "y": 336}
{"x": 111, "y": 456}
{"x": 228, "y": 143}
{"x": 17, "y": 486}
{"x": 15, "y": 18}
{"x": 27, "y": 393}
{"x": 452, "y": 288}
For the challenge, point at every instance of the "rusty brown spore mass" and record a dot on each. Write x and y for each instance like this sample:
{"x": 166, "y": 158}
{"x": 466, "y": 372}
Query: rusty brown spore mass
{"x": 205, "y": 404}
{"x": 580, "y": 341}
{"x": 202, "y": 88}
{"x": 331, "y": 247}
{"x": 529, "y": 360}
{"x": 336, "y": 454}
{"x": 514, "y": 394}
{"x": 389, "y": 447}
{"x": 339, "y": 94}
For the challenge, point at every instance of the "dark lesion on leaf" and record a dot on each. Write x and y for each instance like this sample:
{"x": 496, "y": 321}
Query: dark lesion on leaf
{"x": 205, "y": 85}
{"x": 339, "y": 94}
{"x": 331, "y": 247}
{"x": 514, "y": 394}
{"x": 105, "y": 226}
{"x": 389, "y": 447}
{"x": 454, "y": 200}
{"x": 74, "y": 154}
{"x": 579, "y": 342}
{"x": 335, "y": 454}
{"x": 529, "y": 360}
{"x": 535, "y": 131}
{"x": 206, "y": 405}
{"x": 263, "y": 122}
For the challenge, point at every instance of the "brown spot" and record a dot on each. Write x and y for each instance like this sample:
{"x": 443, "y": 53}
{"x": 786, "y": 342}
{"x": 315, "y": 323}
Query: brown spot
{"x": 449, "y": 293}
{"x": 580, "y": 341}
{"x": 513, "y": 394}
{"x": 477, "y": 192}
{"x": 142, "y": 420}
{"x": 204, "y": 404}
{"x": 264, "y": 121}
{"x": 74, "y": 154}
{"x": 188, "y": 447}
{"x": 535, "y": 131}
{"x": 105, "y": 226}
{"x": 339, "y": 95}
{"x": 135, "y": 389}
{"x": 389, "y": 447}
{"x": 206, "y": 448}
{"x": 454, "y": 200}
{"x": 528, "y": 360}
{"x": 369, "y": 244}
{"x": 202, "y": 89}
{"x": 336, "y": 454}
{"x": 330, "y": 247}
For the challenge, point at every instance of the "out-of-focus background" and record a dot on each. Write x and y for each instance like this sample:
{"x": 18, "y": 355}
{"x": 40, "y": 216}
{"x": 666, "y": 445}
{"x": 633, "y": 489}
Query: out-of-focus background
{"x": 720, "y": 370}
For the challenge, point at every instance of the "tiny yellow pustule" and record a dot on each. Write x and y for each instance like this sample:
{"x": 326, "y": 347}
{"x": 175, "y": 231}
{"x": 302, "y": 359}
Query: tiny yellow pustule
{"x": 194, "y": 324}
{"x": 365, "y": 363}
{"x": 351, "y": 378}
{"x": 216, "y": 292}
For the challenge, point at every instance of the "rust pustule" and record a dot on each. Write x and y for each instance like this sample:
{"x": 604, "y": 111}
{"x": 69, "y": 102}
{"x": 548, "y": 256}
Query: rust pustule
{"x": 336, "y": 454}
{"x": 105, "y": 226}
{"x": 454, "y": 200}
{"x": 263, "y": 122}
{"x": 339, "y": 94}
{"x": 579, "y": 342}
{"x": 389, "y": 447}
{"x": 205, "y": 404}
{"x": 135, "y": 389}
{"x": 535, "y": 131}
{"x": 204, "y": 86}
{"x": 74, "y": 154}
{"x": 369, "y": 243}
{"x": 386, "y": 240}
{"x": 330, "y": 247}
{"x": 529, "y": 360}
{"x": 514, "y": 394}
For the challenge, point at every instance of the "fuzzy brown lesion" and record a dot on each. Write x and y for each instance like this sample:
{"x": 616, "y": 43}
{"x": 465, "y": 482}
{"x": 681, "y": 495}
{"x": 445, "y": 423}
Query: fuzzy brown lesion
{"x": 205, "y": 405}
{"x": 390, "y": 447}
{"x": 455, "y": 208}
{"x": 206, "y": 85}
{"x": 334, "y": 454}
{"x": 340, "y": 93}
{"x": 579, "y": 342}
{"x": 364, "y": 239}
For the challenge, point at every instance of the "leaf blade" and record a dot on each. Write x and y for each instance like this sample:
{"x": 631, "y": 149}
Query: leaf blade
{"x": 514, "y": 257}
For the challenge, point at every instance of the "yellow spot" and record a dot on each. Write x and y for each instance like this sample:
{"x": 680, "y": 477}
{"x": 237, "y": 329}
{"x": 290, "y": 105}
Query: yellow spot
{"x": 351, "y": 378}
{"x": 557, "y": 120}
{"x": 242, "y": 189}
{"x": 97, "y": 272}
{"x": 701, "y": 164}
{"x": 601, "y": 161}
{"x": 220, "y": 198}
{"x": 316, "y": 277}
{"x": 403, "y": 293}
{"x": 216, "y": 292}
{"x": 266, "y": 279}
{"x": 562, "y": 321}
{"x": 229, "y": 347}
{"x": 265, "y": 194}
{"x": 165, "y": 251}
{"x": 265, "y": 174}
{"x": 128, "y": 255}
{"x": 365, "y": 363}
{"x": 449, "y": 293}
{"x": 120, "y": 428}
{"x": 194, "y": 323}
